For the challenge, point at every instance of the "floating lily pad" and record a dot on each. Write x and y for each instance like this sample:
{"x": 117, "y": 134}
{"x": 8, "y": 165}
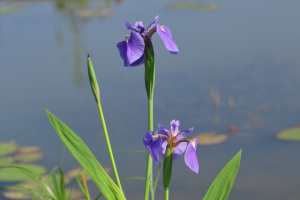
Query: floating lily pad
{"x": 292, "y": 135}
{"x": 210, "y": 138}
{"x": 92, "y": 13}
{"x": 28, "y": 157}
{"x": 14, "y": 174}
{"x": 9, "y": 10}
{"x": 17, "y": 195}
{"x": 193, "y": 5}
{"x": 72, "y": 173}
{"x": 28, "y": 149}
{"x": 6, "y": 161}
{"x": 7, "y": 148}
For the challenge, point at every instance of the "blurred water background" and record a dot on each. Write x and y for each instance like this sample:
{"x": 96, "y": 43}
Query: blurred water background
{"x": 247, "y": 50}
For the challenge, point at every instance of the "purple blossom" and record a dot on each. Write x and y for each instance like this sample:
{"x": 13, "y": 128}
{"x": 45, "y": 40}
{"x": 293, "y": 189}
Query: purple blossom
{"x": 132, "y": 49}
{"x": 175, "y": 139}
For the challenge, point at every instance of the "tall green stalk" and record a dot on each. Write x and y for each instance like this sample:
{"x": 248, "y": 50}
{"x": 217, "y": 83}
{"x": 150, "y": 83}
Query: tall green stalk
{"x": 148, "y": 184}
{"x": 166, "y": 194}
{"x": 96, "y": 92}
{"x": 108, "y": 146}
{"x": 149, "y": 84}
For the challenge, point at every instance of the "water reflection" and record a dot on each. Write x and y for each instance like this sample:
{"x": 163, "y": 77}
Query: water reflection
{"x": 78, "y": 13}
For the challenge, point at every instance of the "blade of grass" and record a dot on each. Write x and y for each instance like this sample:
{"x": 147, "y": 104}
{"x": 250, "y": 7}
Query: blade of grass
{"x": 81, "y": 186}
{"x": 34, "y": 177}
{"x": 98, "y": 197}
{"x": 62, "y": 185}
{"x": 55, "y": 185}
{"x": 156, "y": 179}
{"x": 85, "y": 187}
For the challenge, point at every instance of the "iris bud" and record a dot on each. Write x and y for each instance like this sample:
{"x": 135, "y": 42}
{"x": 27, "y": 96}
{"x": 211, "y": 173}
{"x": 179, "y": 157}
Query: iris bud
{"x": 93, "y": 80}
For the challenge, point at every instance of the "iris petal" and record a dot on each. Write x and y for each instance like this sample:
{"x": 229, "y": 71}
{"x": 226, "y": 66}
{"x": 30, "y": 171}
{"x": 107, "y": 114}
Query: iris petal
{"x": 190, "y": 156}
{"x": 177, "y": 151}
{"x": 139, "y": 25}
{"x": 152, "y": 146}
{"x": 135, "y": 47}
{"x": 174, "y": 127}
{"x": 180, "y": 148}
{"x": 128, "y": 26}
{"x": 166, "y": 36}
{"x": 153, "y": 23}
{"x": 186, "y": 131}
{"x": 122, "y": 47}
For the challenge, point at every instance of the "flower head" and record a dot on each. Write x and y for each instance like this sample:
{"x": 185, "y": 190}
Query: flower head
{"x": 132, "y": 49}
{"x": 157, "y": 142}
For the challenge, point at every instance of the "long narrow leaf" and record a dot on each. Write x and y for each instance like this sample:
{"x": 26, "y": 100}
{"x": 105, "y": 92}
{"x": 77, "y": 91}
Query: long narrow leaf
{"x": 87, "y": 160}
{"x": 221, "y": 186}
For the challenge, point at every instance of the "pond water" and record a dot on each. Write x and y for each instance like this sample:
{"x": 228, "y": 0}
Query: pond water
{"x": 248, "y": 51}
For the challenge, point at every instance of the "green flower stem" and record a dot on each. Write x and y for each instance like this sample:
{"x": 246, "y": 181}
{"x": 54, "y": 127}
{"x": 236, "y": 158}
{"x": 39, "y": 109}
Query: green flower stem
{"x": 149, "y": 158}
{"x": 166, "y": 194}
{"x": 108, "y": 145}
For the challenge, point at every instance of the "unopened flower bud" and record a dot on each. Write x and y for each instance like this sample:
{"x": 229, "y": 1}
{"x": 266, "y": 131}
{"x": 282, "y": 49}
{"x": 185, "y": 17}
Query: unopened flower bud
{"x": 93, "y": 80}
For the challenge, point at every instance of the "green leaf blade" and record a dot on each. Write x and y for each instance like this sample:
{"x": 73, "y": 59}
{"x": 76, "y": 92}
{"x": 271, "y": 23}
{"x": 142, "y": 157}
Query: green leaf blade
{"x": 221, "y": 186}
{"x": 87, "y": 160}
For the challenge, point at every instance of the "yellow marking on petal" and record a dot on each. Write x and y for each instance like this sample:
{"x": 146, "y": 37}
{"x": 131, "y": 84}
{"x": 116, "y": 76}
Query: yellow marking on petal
{"x": 154, "y": 137}
{"x": 127, "y": 37}
{"x": 162, "y": 28}
{"x": 193, "y": 143}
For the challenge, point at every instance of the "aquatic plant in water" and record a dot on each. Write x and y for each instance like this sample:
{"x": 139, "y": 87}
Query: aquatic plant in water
{"x": 137, "y": 49}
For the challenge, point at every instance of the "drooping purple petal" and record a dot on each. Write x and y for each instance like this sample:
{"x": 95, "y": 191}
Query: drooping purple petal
{"x": 129, "y": 27}
{"x": 122, "y": 47}
{"x": 139, "y": 25}
{"x": 152, "y": 145}
{"x": 186, "y": 131}
{"x": 166, "y": 36}
{"x": 153, "y": 23}
{"x": 190, "y": 156}
{"x": 174, "y": 127}
{"x": 138, "y": 62}
{"x": 180, "y": 148}
{"x": 135, "y": 47}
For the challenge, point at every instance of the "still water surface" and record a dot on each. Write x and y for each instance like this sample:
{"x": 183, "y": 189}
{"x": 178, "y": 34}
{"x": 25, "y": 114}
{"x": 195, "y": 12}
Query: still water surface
{"x": 246, "y": 50}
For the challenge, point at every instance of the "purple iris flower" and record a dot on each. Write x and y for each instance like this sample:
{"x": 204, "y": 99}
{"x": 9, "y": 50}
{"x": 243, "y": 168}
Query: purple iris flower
{"x": 132, "y": 49}
{"x": 157, "y": 142}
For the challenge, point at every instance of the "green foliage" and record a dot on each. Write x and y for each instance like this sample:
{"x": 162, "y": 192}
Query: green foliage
{"x": 149, "y": 67}
{"x": 16, "y": 172}
{"x": 87, "y": 160}
{"x": 221, "y": 186}
{"x": 292, "y": 135}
